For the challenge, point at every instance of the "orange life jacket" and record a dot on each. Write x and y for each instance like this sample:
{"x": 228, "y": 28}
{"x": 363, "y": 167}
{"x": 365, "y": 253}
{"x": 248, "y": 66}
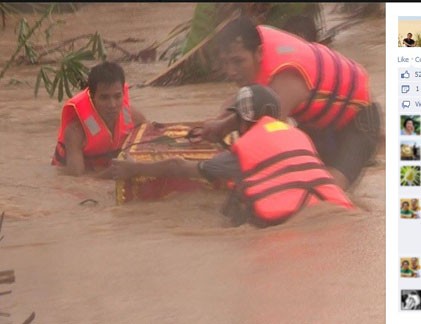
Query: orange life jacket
{"x": 282, "y": 172}
{"x": 338, "y": 86}
{"x": 100, "y": 145}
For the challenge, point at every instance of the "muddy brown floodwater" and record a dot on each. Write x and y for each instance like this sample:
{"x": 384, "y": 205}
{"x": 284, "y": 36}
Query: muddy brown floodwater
{"x": 174, "y": 260}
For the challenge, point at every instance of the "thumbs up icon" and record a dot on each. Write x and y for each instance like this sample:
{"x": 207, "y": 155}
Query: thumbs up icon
{"x": 405, "y": 75}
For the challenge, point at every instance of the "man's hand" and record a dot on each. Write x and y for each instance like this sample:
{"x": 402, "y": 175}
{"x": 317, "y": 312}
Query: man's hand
{"x": 215, "y": 130}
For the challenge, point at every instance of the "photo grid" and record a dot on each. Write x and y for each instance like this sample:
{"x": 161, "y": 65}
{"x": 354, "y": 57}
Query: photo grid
{"x": 409, "y": 98}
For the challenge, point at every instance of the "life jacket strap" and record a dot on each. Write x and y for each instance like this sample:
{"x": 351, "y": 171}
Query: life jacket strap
{"x": 277, "y": 158}
{"x": 287, "y": 169}
{"x": 307, "y": 185}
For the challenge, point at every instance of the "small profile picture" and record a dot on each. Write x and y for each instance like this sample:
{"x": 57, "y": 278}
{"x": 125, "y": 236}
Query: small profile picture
{"x": 408, "y": 41}
{"x": 410, "y": 299}
{"x": 410, "y": 208}
{"x": 410, "y": 175}
{"x": 410, "y": 267}
{"x": 410, "y": 151}
{"x": 410, "y": 125}
{"x": 409, "y": 31}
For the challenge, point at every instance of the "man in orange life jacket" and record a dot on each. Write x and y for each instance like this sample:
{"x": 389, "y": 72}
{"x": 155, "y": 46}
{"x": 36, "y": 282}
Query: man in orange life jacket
{"x": 274, "y": 166}
{"x": 95, "y": 122}
{"x": 324, "y": 93}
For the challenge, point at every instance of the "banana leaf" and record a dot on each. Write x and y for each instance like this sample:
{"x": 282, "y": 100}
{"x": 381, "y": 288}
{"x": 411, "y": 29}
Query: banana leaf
{"x": 204, "y": 21}
{"x": 208, "y": 15}
{"x": 198, "y": 62}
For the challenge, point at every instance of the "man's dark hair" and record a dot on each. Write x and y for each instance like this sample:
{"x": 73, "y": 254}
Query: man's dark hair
{"x": 240, "y": 29}
{"x": 407, "y": 120}
{"x": 409, "y": 34}
{"x": 106, "y": 72}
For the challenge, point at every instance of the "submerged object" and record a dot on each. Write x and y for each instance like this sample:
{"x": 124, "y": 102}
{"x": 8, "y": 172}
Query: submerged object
{"x": 154, "y": 142}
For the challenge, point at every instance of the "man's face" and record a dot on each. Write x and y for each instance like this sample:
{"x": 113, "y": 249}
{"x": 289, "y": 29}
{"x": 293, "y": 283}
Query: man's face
{"x": 108, "y": 100}
{"x": 409, "y": 36}
{"x": 240, "y": 65}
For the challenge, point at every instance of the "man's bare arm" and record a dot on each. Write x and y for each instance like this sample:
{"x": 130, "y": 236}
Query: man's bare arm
{"x": 291, "y": 89}
{"x": 74, "y": 137}
{"x": 215, "y": 129}
{"x": 138, "y": 117}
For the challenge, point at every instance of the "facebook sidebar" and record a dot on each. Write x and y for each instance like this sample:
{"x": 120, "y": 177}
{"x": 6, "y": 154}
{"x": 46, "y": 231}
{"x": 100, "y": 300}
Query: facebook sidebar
{"x": 403, "y": 141}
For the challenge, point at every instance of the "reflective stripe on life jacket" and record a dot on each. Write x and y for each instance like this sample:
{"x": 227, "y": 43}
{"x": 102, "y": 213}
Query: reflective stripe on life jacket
{"x": 100, "y": 145}
{"x": 282, "y": 172}
{"x": 338, "y": 86}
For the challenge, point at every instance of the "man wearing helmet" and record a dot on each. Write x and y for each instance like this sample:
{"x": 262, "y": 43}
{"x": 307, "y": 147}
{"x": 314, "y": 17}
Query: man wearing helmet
{"x": 274, "y": 168}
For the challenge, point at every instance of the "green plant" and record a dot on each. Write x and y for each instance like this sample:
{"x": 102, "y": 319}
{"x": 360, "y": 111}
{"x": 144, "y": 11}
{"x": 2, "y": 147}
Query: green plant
{"x": 199, "y": 61}
{"x": 410, "y": 175}
{"x": 6, "y": 10}
{"x": 23, "y": 37}
{"x": 71, "y": 73}
{"x": 16, "y": 8}
{"x": 25, "y": 34}
{"x": 49, "y": 30}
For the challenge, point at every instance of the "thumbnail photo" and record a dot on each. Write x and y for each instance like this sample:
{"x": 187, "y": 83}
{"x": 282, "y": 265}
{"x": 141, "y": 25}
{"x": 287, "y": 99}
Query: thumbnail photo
{"x": 410, "y": 150}
{"x": 409, "y": 31}
{"x": 410, "y": 125}
{"x": 410, "y": 267}
{"x": 410, "y": 299}
{"x": 410, "y": 175}
{"x": 410, "y": 208}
